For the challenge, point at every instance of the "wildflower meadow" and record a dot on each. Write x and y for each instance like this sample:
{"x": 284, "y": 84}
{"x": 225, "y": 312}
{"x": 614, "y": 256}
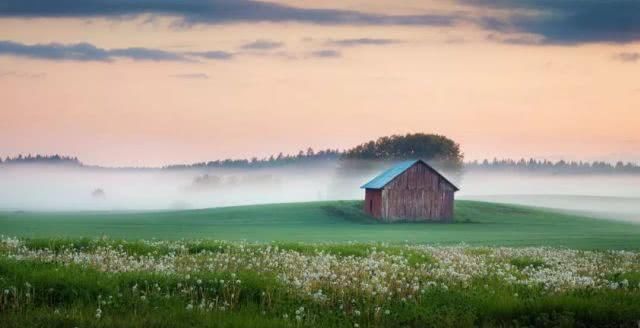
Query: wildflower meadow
{"x": 118, "y": 283}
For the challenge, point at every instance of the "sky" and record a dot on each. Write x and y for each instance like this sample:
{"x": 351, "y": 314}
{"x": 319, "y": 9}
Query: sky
{"x": 155, "y": 82}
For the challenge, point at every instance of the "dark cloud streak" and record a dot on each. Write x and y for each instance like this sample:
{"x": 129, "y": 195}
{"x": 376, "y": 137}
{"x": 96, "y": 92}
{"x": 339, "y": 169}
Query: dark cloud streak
{"x": 55, "y": 51}
{"x": 563, "y": 22}
{"x": 147, "y": 54}
{"x": 326, "y": 53}
{"x": 210, "y": 12}
{"x": 86, "y": 52}
{"x": 219, "y": 55}
{"x": 262, "y": 45}
{"x": 566, "y": 22}
{"x": 362, "y": 42}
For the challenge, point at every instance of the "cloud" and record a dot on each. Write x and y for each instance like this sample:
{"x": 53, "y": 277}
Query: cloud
{"x": 84, "y": 52}
{"x": 210, "y": 12}
{"x": 193, "y": 76}
{"x": 55, "y": 51}
{"x": 326, "y": 53}
{"x": 89, "y": 52}
{"x": 566, "y": 22}
{"x": 627, "y": 57}
{"x": 147, "y": 54}
{"x": 220, "y": 55}
{"x": 517, "y": 39}
{"x": 262, "y": 45}
{"x": 362, "y": 42}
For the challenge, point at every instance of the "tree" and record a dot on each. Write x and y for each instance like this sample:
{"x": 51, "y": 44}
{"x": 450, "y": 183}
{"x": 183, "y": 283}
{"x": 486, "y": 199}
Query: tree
{"x": 430, "y": 147}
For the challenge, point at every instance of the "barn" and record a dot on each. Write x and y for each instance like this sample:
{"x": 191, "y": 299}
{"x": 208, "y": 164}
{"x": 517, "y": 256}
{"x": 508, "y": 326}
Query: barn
{"x": 410, "y": 191}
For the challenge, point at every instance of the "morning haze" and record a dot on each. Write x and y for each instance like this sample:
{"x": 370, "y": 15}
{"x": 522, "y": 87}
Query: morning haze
{"x": 335, "y": 163}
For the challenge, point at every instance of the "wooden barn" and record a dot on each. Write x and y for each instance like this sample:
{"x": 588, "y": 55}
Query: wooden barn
{"x": 410, "y": 191}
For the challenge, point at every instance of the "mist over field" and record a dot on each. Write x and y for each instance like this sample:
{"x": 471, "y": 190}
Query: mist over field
{"x": 600, "y": 195}
{"x": 61, "y": 188}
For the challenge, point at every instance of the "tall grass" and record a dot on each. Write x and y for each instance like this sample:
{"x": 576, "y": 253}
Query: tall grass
{"x": 45, "y": 283}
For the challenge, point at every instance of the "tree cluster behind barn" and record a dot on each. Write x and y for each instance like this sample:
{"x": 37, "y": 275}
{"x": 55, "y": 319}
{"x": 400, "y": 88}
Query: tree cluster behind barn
{"x": 410, "y": 191}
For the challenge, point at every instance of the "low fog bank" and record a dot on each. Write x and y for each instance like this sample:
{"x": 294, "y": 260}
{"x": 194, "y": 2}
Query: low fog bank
{"x": 46, "y": 188}
{"x": 602, "y": 196}
{"x": 618, "y": 208}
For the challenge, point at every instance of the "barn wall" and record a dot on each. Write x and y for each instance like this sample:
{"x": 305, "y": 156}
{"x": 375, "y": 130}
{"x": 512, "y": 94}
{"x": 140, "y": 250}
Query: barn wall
{"x": 418, "y": 194}
{"x": 373, "y": 202}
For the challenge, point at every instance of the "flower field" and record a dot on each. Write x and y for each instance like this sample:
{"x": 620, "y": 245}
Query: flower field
{"x": 102, "y": 282}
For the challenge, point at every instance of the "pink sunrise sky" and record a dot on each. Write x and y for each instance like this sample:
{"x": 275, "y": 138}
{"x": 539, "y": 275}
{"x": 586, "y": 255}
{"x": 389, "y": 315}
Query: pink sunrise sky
{"x": 199, "y": 81}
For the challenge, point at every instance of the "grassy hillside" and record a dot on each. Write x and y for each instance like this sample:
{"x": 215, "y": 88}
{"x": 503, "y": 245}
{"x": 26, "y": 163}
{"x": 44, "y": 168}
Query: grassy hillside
{"x": 476, "y": 223}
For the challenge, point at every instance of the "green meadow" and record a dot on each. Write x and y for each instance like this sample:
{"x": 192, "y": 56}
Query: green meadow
{"x": 321, "y": 264}
{"x": 476, "y": 223}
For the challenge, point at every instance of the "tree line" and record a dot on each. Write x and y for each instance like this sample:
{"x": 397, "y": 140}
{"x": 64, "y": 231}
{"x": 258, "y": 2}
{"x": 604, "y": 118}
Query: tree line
{"x": 308, "y": 156}
{"x": 546, "y": 166}
{"x": 311, "y": 156}
{"x": 436, "y": 149}
{"x": 41, "y": 159}
{"x": 430, "y": 147}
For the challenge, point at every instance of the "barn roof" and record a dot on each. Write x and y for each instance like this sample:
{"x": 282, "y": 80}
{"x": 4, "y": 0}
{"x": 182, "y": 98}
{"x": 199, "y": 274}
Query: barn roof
{"x": 387, "y": 176}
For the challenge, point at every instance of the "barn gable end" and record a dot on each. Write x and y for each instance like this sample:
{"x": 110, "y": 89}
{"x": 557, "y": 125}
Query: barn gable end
{"x": 410, "y": 191}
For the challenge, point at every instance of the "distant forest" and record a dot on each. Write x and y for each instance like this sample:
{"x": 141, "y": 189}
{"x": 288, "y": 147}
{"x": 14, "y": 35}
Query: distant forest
{"x": 545, "y": 166}
{"x": 430, "y": 147}
{"x": 41, "y": 159}
{"x": 522, "y": 165}
{"x": 302, "y": 157}
{"x": 434, "y": 148}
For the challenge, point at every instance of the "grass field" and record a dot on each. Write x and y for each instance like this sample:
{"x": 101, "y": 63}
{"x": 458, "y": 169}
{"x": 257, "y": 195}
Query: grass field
{"x": 476, "y": 223}
{"x": 112, "y": 283}
{"x": 320, "y": 264}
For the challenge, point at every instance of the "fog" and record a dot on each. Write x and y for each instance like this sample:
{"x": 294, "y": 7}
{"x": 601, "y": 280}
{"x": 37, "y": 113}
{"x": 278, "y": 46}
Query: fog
{"x": 603, "y": 196}
{"x": 59, "y": 188}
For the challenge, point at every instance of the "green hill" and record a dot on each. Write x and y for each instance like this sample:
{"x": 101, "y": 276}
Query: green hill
{"x": 476, "y": 223}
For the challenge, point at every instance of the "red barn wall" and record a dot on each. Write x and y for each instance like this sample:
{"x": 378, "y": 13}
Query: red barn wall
{"x": 418, "y": 194}
{"x": 373, "y": 202}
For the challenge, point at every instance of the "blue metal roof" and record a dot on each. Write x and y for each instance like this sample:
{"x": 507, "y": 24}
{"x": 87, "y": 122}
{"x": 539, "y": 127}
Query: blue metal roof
{"x": 385, "y": 177}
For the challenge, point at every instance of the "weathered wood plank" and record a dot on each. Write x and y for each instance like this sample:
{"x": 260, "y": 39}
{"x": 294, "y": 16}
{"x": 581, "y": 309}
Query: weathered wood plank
{"x": 418, "y": 194}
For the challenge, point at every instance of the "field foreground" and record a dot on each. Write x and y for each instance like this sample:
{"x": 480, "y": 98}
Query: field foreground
{"x": 476, "y": 223}
{"x": 118, "y": 283}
